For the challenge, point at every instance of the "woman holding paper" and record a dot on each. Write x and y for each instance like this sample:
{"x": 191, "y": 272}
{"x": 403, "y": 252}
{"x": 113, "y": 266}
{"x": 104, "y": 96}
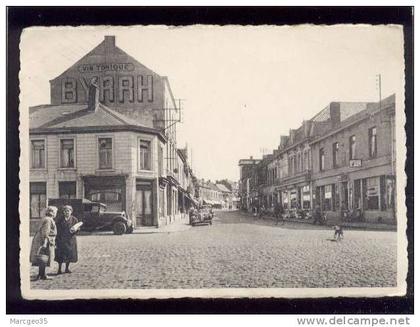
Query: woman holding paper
{"x": 66, "y": 242}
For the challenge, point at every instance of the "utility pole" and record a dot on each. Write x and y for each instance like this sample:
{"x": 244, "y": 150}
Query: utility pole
{"x": 379, "y": 85}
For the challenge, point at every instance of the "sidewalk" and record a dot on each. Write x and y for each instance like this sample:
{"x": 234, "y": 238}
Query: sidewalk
{"x": 331, "y": 222}
{"x": 177, "y": 226}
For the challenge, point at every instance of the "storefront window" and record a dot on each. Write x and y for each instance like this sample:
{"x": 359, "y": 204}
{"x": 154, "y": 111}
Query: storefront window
{"x": 293, "y": 199}
{"x": 389, "y": 186}
{"x": 328, "y": 198}
{"x": 306, "y": 197}
{"x": 357, "y": 194}
{"x": 285, "y": 197}
{"x": 372, "y": 193}
{"x": 336, "y": 197}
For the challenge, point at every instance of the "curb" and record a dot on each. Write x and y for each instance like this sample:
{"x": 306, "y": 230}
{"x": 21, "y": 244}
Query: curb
{"x": 359, "y": 226}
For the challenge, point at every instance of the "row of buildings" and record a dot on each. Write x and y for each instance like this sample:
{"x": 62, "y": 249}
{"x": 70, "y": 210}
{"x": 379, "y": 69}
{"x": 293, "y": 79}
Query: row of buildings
{"x": 220, "y": 195}
{"x": 341, "y": 159}
{"x": 109, "y": 135}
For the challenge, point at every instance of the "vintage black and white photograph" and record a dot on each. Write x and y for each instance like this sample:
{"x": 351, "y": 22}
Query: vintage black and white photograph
{"x": 212, "y": 161}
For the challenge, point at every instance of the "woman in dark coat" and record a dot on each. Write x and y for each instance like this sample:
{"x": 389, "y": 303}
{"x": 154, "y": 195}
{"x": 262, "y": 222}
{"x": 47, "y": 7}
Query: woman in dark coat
{"x": 44, "y": 239}
{"x": 66, "y": 242}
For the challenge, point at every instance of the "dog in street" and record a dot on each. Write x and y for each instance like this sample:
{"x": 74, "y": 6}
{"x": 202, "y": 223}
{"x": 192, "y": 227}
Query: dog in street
{"x": 338, "y": 232}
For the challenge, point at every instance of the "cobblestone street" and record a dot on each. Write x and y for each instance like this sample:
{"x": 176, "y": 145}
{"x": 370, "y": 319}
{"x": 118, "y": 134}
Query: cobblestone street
{"x": 236, "y": 251}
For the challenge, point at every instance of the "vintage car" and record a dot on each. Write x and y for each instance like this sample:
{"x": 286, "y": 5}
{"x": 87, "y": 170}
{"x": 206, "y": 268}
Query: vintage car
{"x": 207, "y": 211}
{"x": 201, "y": 216}
{"x": 95, "y": 216}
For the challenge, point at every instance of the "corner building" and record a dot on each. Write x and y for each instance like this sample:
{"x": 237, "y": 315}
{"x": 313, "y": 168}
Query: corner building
{"x": 109, "y": 136}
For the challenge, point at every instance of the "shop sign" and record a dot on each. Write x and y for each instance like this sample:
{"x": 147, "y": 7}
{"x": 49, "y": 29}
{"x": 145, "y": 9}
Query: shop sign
{"x": 372, "y": 191}
{"x": 114, "y": 89}
{"x": 355, "y": 163}
{"x": 99, "y": 68}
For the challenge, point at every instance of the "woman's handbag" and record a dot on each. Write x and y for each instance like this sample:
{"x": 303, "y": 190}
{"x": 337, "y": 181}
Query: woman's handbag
{"x": 42, "y": 256}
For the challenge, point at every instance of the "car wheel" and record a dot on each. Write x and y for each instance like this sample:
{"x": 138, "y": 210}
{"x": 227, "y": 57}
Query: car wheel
{"x": 119, "y": 228}
{"x": 130, "y": 230}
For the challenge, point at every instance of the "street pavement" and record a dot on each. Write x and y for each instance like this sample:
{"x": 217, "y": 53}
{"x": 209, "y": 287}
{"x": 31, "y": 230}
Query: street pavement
{"x": 236, "y": 251}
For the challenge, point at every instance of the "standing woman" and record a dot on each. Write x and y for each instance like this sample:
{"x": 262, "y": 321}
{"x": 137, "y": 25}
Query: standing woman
{"x": 44, "y": 242}
{"x": 66, "y": 243}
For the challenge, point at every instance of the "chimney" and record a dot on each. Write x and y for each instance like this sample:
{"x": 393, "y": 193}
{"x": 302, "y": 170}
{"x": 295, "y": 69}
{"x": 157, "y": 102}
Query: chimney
{"x": 283, "y": 141}
{"x": 307, "y": 127}
{"x": 109, "y": 42}
{"x": 335, "y": 114}
{"x": 292, "y": 135}
{"x": 93, "y": 95}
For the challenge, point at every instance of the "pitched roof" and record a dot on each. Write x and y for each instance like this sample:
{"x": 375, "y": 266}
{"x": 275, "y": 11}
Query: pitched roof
{"x": 76, "y": 116}
{"x": 41, "y": 115}
{"x": 101, "y": 50}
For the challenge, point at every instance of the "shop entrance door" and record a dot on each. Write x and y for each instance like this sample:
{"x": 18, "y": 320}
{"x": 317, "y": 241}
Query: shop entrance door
{"x": 144, "y": 205}
{"x": 344, "y": 196}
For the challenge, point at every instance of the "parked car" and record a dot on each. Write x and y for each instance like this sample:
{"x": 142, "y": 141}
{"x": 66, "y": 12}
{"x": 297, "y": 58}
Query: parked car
{"x": 207, "y": 211}
{"x": 95, "y": 216}
{"x": 204, "y": 215}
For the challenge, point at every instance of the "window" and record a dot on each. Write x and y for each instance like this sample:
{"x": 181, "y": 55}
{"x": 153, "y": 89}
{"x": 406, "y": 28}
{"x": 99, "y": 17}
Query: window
{"x": 67, "y": 190}
{"x": 372, "y": 193}
{"x": 38, "y": 198}
{"x": 335, "y": 154}
{"x": 321, "y": 159}
{"x": 306, "y": 197}
{"x": 67, "y": 153}
{"x": 299, "y": 162}
{"x": 105, "y": 153}
{"x": 145, "y": 155}
{"x": 38, "y": 153}
{"x": 352, "y": 147}
{"x": 328, "y": 197}
{"x": 372, "y": 142}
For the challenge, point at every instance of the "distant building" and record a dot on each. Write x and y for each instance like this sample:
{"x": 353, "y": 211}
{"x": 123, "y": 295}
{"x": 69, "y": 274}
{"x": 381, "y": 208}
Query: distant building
{"x": 247, "y": 179}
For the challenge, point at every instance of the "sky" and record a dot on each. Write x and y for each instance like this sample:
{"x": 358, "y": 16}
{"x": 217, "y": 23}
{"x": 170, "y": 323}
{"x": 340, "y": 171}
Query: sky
{"x": 242, "y": 86}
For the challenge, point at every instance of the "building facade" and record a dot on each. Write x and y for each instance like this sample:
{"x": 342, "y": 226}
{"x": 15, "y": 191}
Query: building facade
{"x": 342, "y": 159}
{"x": 247, "y": 168}
{"x": 109, "y": 136}
{"x": 354, "y": 164}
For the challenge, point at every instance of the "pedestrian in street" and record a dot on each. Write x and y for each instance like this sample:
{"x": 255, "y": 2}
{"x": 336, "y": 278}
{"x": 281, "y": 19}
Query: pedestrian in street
{"x": 278, "y": 213}
{"x": 317, "y": 215}
{"x": 66, "y": 242}
{"x": 43, "y": 242}
{"x": 262, "y": 211}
